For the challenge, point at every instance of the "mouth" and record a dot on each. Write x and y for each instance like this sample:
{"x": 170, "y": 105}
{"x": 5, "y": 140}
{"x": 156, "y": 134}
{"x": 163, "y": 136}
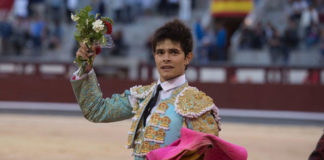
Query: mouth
{"x": 166, "y": 68}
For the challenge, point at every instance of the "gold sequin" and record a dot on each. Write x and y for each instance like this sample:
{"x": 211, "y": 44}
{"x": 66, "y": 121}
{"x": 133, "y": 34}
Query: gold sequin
{"x": 147, "y": 99}
{"x": 132, "y": 129}
{"x": 155, "y": 146}
{"x": 135, "y": 108}
{"x": 162, "y": 107}
{"x": 149, "y": 132}
{"x": 130, "y": 136}
{"x": 142, "y": 89}
{"x": 210, "y": 120}
{"x": 165, "y": 121}
{"x": 146, "y": 147}
{"x": 193, "y": 102}
{"x": 160, "y": 134}
{"x": 138, "y": 148}
{"x": 155, "y": 118}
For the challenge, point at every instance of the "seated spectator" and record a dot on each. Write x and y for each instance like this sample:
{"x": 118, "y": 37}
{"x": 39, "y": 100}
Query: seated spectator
{"x": 120, "y": 46}
{"x": 37, "y": 32}
{"x": 20, "y": 35}
{"x": 308, "y": 18}
{"x": 312, "y": 35}
{"x": 258, "y": 36}
{"x": 269, "y": 31}
{"x": 290, "y": 38}
{"x": 5, "y": 33}
{"x": 55, "y": 35}
{"x": 245, "y": 38}
{"x": 275, "y": 47}
{"x": 322, "y": 46}
{"x": 199, "y": 34}
{"x": 220, "y": 42}
{"x": 207, "y": 52}
{"x": 298, "y": 6}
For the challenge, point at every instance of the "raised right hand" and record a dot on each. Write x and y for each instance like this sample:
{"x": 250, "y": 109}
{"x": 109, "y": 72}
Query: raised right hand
{"x": 86, "y": 53}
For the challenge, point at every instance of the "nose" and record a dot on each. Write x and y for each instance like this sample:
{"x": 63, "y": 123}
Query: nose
{"x": 166, "y": 57}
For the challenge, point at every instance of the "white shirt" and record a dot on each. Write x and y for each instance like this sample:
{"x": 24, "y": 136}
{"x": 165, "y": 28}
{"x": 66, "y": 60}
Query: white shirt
{"x": 167, "y": 88}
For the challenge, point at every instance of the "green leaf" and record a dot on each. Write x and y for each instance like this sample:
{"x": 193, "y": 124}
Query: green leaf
{"x": 86, "y": 33}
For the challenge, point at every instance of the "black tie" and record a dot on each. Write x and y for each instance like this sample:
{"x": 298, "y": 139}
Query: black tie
{"x": 151, "y": 103}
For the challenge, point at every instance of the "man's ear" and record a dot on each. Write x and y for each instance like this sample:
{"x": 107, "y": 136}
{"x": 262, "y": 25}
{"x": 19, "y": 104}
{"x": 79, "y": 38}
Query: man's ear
{"x": 188, "y": 58}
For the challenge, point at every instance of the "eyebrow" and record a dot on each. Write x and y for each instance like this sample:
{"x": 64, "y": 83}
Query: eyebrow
{"x": 167, "y": 49}
{"x": 173, "y": 49}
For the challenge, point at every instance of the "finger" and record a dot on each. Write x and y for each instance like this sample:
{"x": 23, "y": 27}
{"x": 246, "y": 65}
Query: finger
{"x": 82, "y": 54}
{"x": 83, "y": 57}
{"x": 81, "y": 51}
{"x": 84, "y": 51}
{"x": 83, "y": 45}
{"x": 93, "y": 48}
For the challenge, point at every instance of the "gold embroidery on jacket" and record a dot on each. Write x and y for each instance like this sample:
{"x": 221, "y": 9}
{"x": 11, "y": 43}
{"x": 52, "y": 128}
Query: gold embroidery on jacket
{"x": 192, "y": 103}
{"x": 155, "y": 146}
{"x": 154, "y": 134}
{"x": 162, "y": 107}
{"x": 154, "y": 120}
{"x": 135, "y": 107}
{"x": 149, "y": 132}
{"x": 164, "y": 122}
{"x": 160, "y": 134}
{"x": 136, "y": 119}
{"x": 145, "y": 147}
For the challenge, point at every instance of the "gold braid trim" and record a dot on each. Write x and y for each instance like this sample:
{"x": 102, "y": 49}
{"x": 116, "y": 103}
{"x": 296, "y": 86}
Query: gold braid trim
{"x": 142, "y": 91}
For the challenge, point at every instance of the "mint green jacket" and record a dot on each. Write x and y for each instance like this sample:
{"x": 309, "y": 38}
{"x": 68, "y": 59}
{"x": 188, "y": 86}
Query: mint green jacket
{"x": 187, "y": 107}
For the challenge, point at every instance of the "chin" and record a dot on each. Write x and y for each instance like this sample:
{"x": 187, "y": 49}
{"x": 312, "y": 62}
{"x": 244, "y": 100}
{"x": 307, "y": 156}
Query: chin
{"x": 169, "y": 77}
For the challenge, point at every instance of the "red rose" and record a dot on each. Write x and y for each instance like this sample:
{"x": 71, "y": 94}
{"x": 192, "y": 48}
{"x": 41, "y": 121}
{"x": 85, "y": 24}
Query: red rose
{"x": 109, "y": 27}
{"x": 98, "y": 50}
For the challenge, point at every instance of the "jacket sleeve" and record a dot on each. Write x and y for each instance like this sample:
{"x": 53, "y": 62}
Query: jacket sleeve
{"x": 94, "y": 107}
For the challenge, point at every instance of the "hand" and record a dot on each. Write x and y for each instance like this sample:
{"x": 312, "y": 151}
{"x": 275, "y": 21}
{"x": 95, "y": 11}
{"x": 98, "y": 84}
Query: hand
{"x": 85, "y": 53}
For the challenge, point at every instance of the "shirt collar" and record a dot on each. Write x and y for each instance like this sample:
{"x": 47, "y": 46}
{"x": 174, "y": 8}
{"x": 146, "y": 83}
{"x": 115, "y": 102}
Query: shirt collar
{"x": 173, "y": 83}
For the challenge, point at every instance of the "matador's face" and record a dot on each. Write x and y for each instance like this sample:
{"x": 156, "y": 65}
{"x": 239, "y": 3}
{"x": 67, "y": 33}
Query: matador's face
{"x": 170, "y": 59}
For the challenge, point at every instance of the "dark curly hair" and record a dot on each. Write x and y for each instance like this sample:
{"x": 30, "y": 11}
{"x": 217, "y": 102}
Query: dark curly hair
{"x": 176, "y": 31}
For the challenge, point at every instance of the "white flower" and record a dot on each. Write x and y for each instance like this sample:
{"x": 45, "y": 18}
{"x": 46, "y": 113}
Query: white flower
{"x": 74, "y": 18}
{"x": 98, "y": 25}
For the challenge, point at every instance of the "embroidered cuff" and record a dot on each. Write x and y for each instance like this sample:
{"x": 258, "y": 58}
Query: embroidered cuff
{"x": 75, "y": 76}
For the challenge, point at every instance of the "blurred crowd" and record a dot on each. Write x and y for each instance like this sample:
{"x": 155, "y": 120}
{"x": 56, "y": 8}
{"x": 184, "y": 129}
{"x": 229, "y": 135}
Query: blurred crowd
{"x": 303, "y": 30}
{"x": 33, "y": 27}
{"x": 211, "y": 42}
{"x": 37, "y": 26}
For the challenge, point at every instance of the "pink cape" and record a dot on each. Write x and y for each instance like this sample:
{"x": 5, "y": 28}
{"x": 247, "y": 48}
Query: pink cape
{"x": 192, "y": 144}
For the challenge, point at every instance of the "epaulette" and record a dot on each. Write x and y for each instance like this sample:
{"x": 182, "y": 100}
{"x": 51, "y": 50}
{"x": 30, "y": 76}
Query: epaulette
{"x": 192, "y": 103}
{"x": 142, "y": 91}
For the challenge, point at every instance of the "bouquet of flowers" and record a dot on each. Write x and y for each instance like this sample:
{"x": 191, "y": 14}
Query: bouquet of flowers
{"x": 91, "y": 30}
